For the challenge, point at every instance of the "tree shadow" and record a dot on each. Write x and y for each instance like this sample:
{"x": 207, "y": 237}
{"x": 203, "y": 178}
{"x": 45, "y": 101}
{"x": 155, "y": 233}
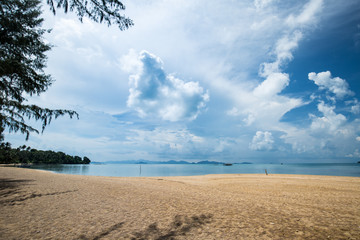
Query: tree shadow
{"x": 11, "y": 194}
{"x": 181, "y": 225}
{"x": 103, "y": 233}
{"x": 19, "y": 199}
{"x": 9, "y": 186}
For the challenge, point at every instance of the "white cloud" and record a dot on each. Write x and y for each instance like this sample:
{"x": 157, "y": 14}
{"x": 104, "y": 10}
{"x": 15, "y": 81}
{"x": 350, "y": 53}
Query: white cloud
{"x": 264, "y": 105}
{"x": 262, "y": 141}
{"x": 259, "y": 4}
{"x": 155, "y": 93}
{"x": 355, "y": 108}
{"x": 178, "y": 140}
{"x": 357, "y": 139}
{"x": 356, "y": 154}
{"x": 335, "y": 85}
{"x": 299, "y": 139}
{"x": 272, "y": 86}
{"x": 330, "y": 134}
{"x": 330, "y": 122}
{"x": 233, "y": 112}
{"x": 67, "y": 31}
{"x": 310, "y": 10}
{"x": 175, "y": 143}
{"x": 283, "y": 53}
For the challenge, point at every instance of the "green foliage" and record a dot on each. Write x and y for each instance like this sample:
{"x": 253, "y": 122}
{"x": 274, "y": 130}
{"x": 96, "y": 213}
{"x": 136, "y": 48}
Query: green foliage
{"x": 97, "y": 10}
{"x": 22, "y": 56}
{"x": 22, "y": 63}
{"x": 22, "y": 59}
{"x": 25, "y": 154}
{"x": 86, "y": 160}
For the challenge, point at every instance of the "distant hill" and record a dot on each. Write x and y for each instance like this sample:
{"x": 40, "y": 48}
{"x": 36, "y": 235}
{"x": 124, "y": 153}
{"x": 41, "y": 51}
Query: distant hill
{"x": 209, "y": 162}
{"x": 143, "y": 161}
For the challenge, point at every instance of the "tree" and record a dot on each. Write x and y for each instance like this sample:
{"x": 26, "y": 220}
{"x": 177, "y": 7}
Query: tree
{"x": 23, "y": 59}
{"x": 20, "y": 155}
{"x": 86, "y": 160}
{"x": 97, "y": 10}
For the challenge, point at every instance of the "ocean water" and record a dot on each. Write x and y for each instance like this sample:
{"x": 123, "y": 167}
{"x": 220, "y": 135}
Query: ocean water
{"x": 162, "y": 170}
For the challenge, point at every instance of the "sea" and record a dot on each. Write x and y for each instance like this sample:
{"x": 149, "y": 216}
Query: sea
{"x": 165, "y": 170}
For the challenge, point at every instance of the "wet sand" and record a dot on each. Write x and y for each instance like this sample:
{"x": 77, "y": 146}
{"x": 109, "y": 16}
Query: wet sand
{"x": 43, "y": 205}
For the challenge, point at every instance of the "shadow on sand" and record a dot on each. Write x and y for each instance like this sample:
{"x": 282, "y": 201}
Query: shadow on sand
{"x": 11, "y": 194}
{"x": 181, "y": 225}
{"x": 10, "y": 187}
{"x": 103, "y": 233}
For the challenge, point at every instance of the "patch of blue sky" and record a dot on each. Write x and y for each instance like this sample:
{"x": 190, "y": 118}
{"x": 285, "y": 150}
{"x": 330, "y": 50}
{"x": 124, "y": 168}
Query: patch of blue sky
{"x": 301, "y": 116}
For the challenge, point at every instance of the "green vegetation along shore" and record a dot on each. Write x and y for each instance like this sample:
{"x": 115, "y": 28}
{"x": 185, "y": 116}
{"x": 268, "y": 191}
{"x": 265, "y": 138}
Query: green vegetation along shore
{"x": 27, "y": 155}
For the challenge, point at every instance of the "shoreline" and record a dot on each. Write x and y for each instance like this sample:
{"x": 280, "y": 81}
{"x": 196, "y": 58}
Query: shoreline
{"x": 202, "y": 175}
{"x": 38, "y": 204}
{"x": 151, "y": 170}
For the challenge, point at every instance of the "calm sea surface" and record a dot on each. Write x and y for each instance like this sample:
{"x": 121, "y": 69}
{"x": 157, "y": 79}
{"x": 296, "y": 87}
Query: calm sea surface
{"x": 158, "y": 170}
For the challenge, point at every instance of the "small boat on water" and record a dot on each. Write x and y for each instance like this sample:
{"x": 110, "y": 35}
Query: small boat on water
{"x": 227, "y": 164}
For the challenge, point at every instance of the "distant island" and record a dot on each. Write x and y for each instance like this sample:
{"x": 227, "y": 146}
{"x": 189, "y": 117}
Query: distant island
{"x": 27, "y": 155}
{"x": 142, "y": 161}
{"x": 208, "y": 162}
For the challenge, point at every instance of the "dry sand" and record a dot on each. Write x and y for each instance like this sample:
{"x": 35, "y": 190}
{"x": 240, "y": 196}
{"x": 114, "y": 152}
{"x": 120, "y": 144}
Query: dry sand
{"x": 43, "y": 205}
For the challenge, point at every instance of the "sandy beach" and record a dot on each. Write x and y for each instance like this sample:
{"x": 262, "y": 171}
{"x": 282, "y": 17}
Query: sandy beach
{"x": 43, "y": 205}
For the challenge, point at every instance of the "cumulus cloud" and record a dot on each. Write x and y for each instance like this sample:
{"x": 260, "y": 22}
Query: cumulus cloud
{"x": 355, "y": 108}
{"x": 336, "y": 85}
{"x": 153, "y": 92}
{"x": 265, "y": 105}
{"x": 262, "y": 141}
{"x": 275, "y": 80}
{"x": 329, "y": 133}
{"x": 330, "y": 122}
{"x": 273, "y": 85}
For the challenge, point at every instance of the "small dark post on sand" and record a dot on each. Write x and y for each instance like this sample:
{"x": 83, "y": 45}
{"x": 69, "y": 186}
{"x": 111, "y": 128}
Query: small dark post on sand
{"x": 266, "y": 172}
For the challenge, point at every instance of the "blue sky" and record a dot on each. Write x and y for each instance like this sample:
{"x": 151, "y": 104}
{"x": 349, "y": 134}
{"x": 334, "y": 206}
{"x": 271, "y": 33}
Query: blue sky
{"x": 234, "y": 81}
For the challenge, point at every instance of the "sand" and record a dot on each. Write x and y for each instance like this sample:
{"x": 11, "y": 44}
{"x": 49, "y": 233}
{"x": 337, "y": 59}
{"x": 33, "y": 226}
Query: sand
{"x": 43, "y": 205}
